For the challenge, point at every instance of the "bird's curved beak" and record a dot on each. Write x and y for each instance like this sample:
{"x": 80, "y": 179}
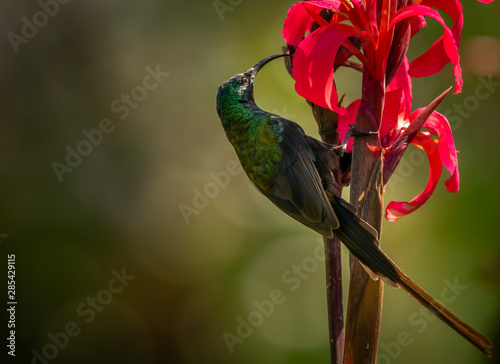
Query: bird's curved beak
{"x": 256, "y": 68}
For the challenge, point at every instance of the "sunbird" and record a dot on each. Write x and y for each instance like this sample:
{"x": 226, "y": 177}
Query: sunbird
{"x": 296, "y": 172}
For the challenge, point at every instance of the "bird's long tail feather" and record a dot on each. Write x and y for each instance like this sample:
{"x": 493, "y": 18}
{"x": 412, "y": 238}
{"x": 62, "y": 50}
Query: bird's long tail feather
{"x": 361, "y": 240}
{"x": 475, "y": 338}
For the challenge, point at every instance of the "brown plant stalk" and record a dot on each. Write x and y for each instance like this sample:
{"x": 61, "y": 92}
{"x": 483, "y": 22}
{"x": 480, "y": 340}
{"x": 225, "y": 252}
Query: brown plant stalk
{"x": 327, "y": 127}
{"x": 364, "y": 311}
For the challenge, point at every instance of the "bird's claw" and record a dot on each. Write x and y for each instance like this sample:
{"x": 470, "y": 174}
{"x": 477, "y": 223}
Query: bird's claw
{"x": 352, "y": 132}
{"x": 339, "y": 149}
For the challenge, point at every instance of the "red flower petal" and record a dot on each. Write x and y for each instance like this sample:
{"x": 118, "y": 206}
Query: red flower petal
{"x": 402, "y": 81}
{"x": 444, "y": 50}
{"x": 438, "y": 125}
{"x": 313, "y": 65}
{"x": 417, "y": 23}
{"x": 396, "y": 210}
{"x": 348, "y": 118}
{"x": 298, "y": 20}
{"x": 439, "y": 50}
{"x": 392, "y": 109}
{"x": 451, "y": 7}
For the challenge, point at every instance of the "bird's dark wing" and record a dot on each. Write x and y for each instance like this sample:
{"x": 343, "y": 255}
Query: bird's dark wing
{"x": 298, "y": 188}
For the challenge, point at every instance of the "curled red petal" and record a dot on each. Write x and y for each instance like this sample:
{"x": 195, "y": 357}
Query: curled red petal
{"x": 313, "y": 65}
{"x": 451, "y": 7}
{"x": 444, "y": 50}
{"x": 417, "y": 23}
{"x": 438, "y": 125}
{"x": 396, "y": 210}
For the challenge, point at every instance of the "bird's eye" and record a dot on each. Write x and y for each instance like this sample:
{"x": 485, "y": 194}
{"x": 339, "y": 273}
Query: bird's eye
{"x": 244, "y": 80}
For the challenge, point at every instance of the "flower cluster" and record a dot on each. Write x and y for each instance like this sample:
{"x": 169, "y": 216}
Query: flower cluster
{"x": 373, "y": 36}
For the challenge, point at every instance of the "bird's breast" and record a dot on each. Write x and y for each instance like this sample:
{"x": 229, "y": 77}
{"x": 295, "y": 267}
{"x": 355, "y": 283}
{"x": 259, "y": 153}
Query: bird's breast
{"x": 260, "y": 154}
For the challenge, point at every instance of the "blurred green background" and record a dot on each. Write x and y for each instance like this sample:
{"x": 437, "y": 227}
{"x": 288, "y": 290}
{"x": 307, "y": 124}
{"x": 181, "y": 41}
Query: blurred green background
{"x": 193, "y": 268}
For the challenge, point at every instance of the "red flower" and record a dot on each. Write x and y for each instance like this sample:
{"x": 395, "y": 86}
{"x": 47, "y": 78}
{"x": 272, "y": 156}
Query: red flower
{"x": 439, "y": 151}
{"x": 399, "y": 128}
{"x": 377, "y": 33}
{"x": 381, "y": 45}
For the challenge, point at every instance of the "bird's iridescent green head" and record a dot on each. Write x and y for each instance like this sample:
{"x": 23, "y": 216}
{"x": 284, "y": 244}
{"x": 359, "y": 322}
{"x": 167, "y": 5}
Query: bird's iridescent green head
{"x": 239, "y": 88}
